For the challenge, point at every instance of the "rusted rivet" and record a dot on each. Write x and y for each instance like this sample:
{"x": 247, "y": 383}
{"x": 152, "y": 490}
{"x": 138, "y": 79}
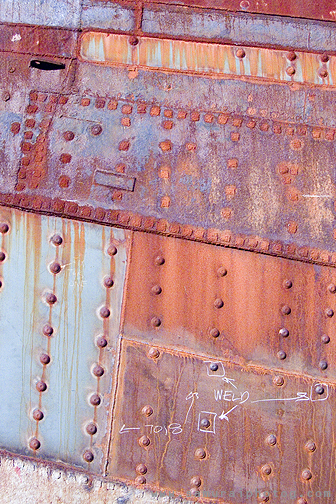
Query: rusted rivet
{"x": 6, "y": 96}
{"x": 56, "y": 240}
{"x": 205, "y": 423}
{"x": 323, "y": 365}
{"x": 4, "y": 228}
{"x": 98, "y": 371}
{"x": 140, "y": 480}
{"x": 287, "y": 284}
{"x": 112, "y": 250}
{"x": 301, "y": 500}
{"x": 306, "y": 474}
{"x": 214, "y": 332}
{"x": 325, "y": 339}
{"x": 196, "y": 481}
{"x": 324, "y": 58}
{"x": 68, "y": 135}
{"x": 213, "y": 366}
{"x": 266, "y": 469}
{"x": 133, "y": 40}
{"x": 47, "y": 330}
{"x": 41, "y": 386}
{"x": 91, "y": 429}
{"x": 44, "y": 359}
{"x": 144, "y": 441}
{"x": 64, "y": 181}
{"x": 2, "y": 256}
{"x": 286, "y": 310}
{"x": 153, "y": 353}
{"x": 263, "y": 496}
{"x": 108, "y": 282}
{"x": 65, "y": 158}
{"x": 96, "y": 129}
{"x": 284, "y": 332}
{"x": 147, "y": 410}
{"x": 38, "y": 415}
{"x": 218, "y": 303}
{"x": 95, "y": 400}
{"x": 329, "y": 312}
{"x": 156, "y": 289}
{"x": 200, "y": 453}
{"x": 101, "y": 342}
{"x": 271, "y": 440}
{"x": 291, "y": 56}
{"x": 281, "y": 355}
{"x": 194, "y": 492}
{"x": 104, "y": 312}
{"x": 319, "y": 389}
{"x": 290, "y": 70}
{"x": 51, "y": 298}
{"x": 240, "y": 53}
{"x": 323, "y": 73}
{"x": 221, "y": 272}
{"x": 332, "y": 288}
{"x": 278, "y": 381}
{"x": 34, "y": 444}
{"x": 159, "y": 260}
{"x": 155, "y": 322}
{"x": 141, "y": 469}
{"x": 310, "y": 445}
{"x": 88, "y": 456}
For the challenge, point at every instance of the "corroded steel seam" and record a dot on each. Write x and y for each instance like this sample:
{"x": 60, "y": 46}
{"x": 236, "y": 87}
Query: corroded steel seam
{"x": 129, "y": 220}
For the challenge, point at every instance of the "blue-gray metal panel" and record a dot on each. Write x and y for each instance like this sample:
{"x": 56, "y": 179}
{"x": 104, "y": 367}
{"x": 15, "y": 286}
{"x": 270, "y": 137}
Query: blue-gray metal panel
{"x": 107, "y": 15}
{"x": 64, "y": 13}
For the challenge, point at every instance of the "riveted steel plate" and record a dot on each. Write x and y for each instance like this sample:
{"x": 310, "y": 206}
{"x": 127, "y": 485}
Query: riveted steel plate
{"x": 246, "y": 307}
{"x": 201, "y": 426}
{"x": 60, "y": 297}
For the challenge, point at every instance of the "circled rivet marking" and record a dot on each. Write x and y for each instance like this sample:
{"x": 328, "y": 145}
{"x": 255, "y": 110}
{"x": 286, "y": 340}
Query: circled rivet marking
{"x": 319, "y": 389}
{"x": 213, "y": 366}
{"x": 205, "y": 423}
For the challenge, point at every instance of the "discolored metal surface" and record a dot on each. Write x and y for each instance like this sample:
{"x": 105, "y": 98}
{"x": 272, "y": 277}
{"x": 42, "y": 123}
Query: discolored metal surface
{"x": 221, "y": 431}
{"x": 246, "y": 307}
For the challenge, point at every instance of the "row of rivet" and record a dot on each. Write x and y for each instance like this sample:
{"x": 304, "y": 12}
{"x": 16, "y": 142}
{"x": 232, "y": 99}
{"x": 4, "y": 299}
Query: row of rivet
{"x": 4, "y": 228}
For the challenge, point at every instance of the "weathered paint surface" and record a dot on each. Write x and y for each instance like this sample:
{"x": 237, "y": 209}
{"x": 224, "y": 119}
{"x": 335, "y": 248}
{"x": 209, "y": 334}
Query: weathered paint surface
{"x": 74, "y": 315}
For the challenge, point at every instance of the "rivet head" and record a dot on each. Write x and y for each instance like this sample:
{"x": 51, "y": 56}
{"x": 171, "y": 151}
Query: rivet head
{"x": 98, "y": 371}
{"x": 323, "y": 365}
{"x": 290, "y": 70}
{"x": 278, "y": 381}
{"x": 325, "y": 339}
{"x": 194, "y": 492}
{"x": 195, "y": 481}
{"x": 41, "y": 386}
{"x": 291, "y": 56}
{"x": 240, "y": 53}
{"x": 112, "y": 250}
{"x": 332, "y": 288}
{"x": 281, "y": 355}
{"x": 108, "y": 282}
{"x": 301, "y": 500}
{"x": 96, "y": 129}
{"x": 310, "y": 446}
{"x": 159, "y": 260}
{"x": 101, "y": 342}
{"x": 284, "y": 332}
{"x": 2, "y": 256}
{"x": 51, "y": 298}
{"x": 323, "y": 73}
{"x": 306, "y": 474}
{"x": 47, "y": 330}
{"x": 38, "y": 415}
{"x": 133, "y": 40}
{"x": 153, "y": 353}
{"x": 68, "y": 136}
{"x": 221, "y": 272}
{"x": 214, "y": 332}
{"x": 263, "y": 497}
{"x": 4, "y": 228}
{"x": 144, "y": 441}
{"x": 91, "y": 429}
{"x": 200, "y": 453}
{"x": 56, "y": 240}
{"x": 55, "y": 268}
{"x": 266, "y": 469}
{"x": 324, "y": 58}
{"x": 213, "y": 366}
{"x": 218, "y": 303}
{"x": 286, "y": 310}
{"x": 329, "y": 312}
{"x": 271, "y": 440}
{"x": 287, "y": 284}
{"x": 156, "y": 289}
{"x": 44, "y": 359}
{"x": 104, "y": 312}
{"x": 34, "y": 444}
{"x": 141, "y": 469}
{"x": 140, "y": 480}
{"x": 95, "y": 400}
{"x": 205, "y": 423}
{"x": 155, "y": 322}
{"x": 319, "y": 389}
{"x": 88, "y": 456}
{"x": 147, "y": 410}
{"x": 6, "y": 96}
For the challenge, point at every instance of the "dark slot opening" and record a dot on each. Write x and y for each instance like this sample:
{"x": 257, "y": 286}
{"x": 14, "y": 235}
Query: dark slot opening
{"x": 46, "y": 65}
